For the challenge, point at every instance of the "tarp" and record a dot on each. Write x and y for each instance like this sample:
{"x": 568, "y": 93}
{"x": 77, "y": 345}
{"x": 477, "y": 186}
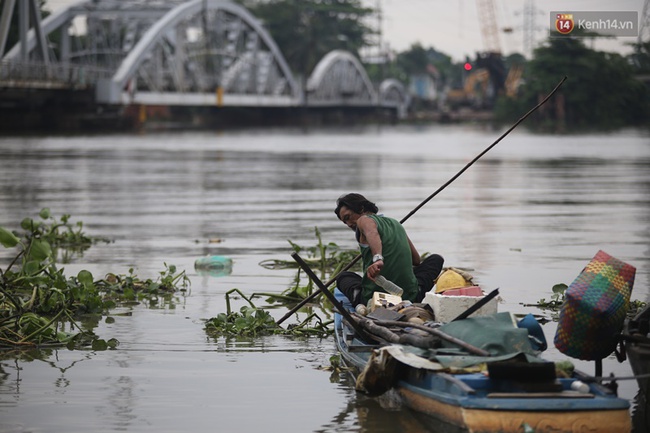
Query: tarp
{"x": 434, "y": 361}
{"x": 497, "y": 333}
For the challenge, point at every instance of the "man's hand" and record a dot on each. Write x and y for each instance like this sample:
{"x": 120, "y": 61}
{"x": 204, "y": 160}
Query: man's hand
{"x": 375, "y": 269}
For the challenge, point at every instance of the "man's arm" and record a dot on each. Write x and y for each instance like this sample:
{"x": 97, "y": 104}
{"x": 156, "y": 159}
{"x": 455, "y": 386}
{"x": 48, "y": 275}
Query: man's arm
{"x": 368, "y": 228}
{"x": 415, "y": 256}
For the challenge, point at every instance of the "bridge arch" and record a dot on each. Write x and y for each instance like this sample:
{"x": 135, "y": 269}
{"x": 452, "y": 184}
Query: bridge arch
{"x": 182, "y": 52}
{"x": 339, "y": 78}
{"x": 393, "y": 94}
{"x": 237, "y": 55}
{"x": 172, "y": 52}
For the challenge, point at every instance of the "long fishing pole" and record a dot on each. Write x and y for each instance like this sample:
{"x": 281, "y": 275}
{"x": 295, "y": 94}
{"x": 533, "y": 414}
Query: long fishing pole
{"x": 425, "y": 201}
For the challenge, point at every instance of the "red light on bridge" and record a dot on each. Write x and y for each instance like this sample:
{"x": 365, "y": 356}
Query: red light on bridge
{"x": 467, "y": 66}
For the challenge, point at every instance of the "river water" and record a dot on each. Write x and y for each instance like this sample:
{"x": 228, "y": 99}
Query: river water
{"x": 530, "y": 214}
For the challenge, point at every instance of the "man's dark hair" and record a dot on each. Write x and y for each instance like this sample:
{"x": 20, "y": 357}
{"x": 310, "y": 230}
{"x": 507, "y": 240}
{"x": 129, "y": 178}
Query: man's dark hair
{"x": 356, "y": 203}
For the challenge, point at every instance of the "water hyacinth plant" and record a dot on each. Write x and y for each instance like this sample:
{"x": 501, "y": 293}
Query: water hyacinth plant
{"x": 64, "y": 237}
{"x": 326, "y": 258}
{"x": 558, "y": 297}
{"x": 40, "y": 305}
{"x": 251, "y": 321}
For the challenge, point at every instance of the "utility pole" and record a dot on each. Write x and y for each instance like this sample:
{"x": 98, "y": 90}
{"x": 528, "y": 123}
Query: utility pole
{"x": 381, "y": 56}
{"x": 530, "y": 13}
{"x": 644, "y": 23}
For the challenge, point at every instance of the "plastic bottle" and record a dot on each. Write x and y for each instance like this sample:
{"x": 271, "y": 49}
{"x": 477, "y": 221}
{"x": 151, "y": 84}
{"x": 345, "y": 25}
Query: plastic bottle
{"x": 361, "y": 309}
{"x": 388, "y": 286}
{"x": 579, "y": 386}
{"x": 214, "y": 265}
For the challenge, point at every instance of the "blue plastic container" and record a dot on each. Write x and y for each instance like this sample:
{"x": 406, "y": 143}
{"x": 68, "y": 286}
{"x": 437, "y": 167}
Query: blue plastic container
{"x": 216, "y": 266}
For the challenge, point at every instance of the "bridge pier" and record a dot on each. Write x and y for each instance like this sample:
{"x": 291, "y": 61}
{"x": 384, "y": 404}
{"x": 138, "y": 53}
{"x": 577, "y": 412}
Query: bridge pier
{"x": 25, "y": 110}
{"x": 56, "y": 110}
{"x": 183, "y": 117}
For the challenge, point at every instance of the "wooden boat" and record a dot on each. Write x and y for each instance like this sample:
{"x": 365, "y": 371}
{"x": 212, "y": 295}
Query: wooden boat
{"x": 637, "y": 347}
{"x": 446, "y": 381}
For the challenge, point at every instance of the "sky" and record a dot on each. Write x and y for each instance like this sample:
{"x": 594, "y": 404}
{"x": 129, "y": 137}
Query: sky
{"x": 453, "y": 26}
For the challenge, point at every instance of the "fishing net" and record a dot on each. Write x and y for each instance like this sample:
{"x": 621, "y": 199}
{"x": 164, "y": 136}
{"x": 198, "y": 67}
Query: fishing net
{"x": 594, "y": 309}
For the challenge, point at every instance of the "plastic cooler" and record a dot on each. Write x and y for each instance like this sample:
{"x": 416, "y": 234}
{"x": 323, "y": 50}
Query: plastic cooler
{"x": 447, "y": 306}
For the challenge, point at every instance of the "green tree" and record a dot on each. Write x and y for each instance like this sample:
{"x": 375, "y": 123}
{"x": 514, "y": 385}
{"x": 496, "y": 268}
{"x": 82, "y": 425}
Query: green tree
{"x": 306, "y": 30}
{"x": 418, "y": 60}
{"x": 600, "y": 91}
{"x": 415, "y": 60}
{"x": 640, "y": 59}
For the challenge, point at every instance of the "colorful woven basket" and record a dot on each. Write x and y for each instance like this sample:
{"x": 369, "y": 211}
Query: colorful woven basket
{"x": 594, "y": 309}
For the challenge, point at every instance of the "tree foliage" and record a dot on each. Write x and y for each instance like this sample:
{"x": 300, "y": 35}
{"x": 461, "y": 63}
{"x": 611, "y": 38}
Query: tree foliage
{"x": 601, "y": 89}
{"x": 640, "y": 59}
{"x": 415, "y": 60}
{"x": 306, "y": 30}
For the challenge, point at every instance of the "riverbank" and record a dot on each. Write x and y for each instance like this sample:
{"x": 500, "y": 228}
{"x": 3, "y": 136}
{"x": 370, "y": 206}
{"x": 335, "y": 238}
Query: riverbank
{"x": 451, "y": 116}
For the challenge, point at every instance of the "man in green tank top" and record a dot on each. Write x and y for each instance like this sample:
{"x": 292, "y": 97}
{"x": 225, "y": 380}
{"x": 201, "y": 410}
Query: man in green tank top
{"x": 385, "y": 250}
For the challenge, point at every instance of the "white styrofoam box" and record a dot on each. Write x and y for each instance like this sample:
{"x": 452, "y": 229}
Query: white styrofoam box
{"x": 447, "y": 308}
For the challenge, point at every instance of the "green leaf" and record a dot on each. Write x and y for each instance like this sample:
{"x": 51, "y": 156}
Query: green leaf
{"x": 32, "y": 267}
{"x": 40, "y": 250}
{"x": 559, "y": 288}
{"x": 26, "y": 224}
{"x": 8, "y": 239}
{"x": 85, "y": 278}
{"x": 99, "y": 344}
{"x": 44, "y": 213}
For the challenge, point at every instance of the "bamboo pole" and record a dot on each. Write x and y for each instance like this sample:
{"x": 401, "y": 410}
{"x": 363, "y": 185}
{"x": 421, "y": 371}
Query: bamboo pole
{"x": 425, "y": 201}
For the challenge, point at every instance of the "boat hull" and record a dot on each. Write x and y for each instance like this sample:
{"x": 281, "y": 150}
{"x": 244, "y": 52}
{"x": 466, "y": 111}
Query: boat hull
{"x": 470, "y": 401}
{"x": 513, "y": 421}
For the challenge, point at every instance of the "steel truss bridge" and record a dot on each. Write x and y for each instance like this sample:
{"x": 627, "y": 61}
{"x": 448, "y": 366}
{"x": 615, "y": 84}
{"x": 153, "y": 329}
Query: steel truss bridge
{"x": 176, "y": 53}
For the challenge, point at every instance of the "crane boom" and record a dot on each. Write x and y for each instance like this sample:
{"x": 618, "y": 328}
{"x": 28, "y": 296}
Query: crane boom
{"x": 487, "y": 18}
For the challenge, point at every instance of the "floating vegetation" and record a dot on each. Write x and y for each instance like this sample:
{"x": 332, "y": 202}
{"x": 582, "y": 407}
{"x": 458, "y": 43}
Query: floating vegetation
{"x": 554, "y": 305}
{"x": 323, "y": 257}
{"x": 251, "y": 321}
{"x": 65, "y": 238}
{"x": 635, "y": 308}
{"x": 40, "y": 306}
{"x": 336, "y": 368}
{"x": 327, "y": 259}
{"x": 336, "y": 365}
{"x": 556, "y": 301}
{"x": 129, "y": 289}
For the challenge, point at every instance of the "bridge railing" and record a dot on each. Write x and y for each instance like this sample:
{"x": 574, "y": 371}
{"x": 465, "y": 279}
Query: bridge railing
{"x": 52, "y": 75}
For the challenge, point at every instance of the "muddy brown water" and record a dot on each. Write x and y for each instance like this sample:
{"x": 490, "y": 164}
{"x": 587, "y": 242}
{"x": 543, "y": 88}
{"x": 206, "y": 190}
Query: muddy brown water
{"x": 529, "y": 215}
